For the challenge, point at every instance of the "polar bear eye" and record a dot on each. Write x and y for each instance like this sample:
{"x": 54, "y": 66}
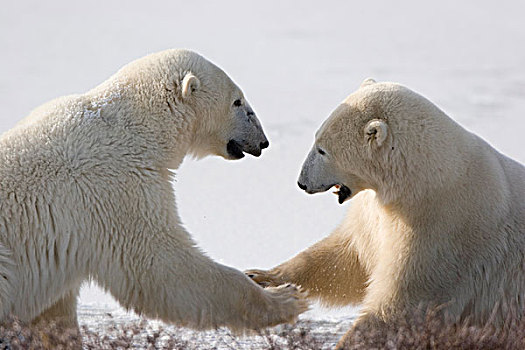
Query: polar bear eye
{"x": 237, "y": 103}
{"x": 321, "y": 152}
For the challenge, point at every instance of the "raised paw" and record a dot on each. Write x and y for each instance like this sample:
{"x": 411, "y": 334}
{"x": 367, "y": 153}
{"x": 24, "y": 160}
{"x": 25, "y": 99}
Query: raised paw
{"x": 265, "y": 278}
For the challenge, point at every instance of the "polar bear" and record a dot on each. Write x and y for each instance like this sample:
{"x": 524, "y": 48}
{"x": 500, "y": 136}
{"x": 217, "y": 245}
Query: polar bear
{"x": 85, "y": 194}
{"x": 437, "y": 216}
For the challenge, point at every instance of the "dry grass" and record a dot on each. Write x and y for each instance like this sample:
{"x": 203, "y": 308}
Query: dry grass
{"x": 425, "y": 330}
{"x": 142, "y": 335}
{"x": 416, "y": 331}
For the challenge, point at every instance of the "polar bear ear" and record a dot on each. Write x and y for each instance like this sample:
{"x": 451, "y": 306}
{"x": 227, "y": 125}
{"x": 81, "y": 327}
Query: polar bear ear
{"x": 190, "y": 83}
{"x": 367, "y": 81}
{"x": 376, "y": 131}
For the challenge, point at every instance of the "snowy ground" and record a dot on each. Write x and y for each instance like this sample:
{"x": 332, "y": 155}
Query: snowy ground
{"x": 295, "y": 61}
{"x": 324, "y": 332}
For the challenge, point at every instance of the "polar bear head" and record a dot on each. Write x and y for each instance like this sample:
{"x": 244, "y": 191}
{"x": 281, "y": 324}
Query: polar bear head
{"x": 225, "y": 123}
{"x": 387, "y": 138}
{"x": 190, "y": 106}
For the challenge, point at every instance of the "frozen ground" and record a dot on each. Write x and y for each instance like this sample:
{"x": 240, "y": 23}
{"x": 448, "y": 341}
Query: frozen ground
{"x": 295, "y": 61}
{"x": 319, "y": 333}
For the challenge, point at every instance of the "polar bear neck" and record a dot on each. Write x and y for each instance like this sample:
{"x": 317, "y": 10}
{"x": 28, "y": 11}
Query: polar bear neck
{"x": 429, "y": 154}
{"x": 477, "y": 184}
{"x": 126, "y": 107}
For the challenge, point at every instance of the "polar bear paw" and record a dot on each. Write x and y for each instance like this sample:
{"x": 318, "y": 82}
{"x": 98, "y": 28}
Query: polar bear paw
{"x": 264, "y": 278}
{"x": 287, "y": 301}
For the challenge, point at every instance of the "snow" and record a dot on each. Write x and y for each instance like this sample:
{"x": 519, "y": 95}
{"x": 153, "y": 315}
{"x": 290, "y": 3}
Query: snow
{"x": 108, "y": 321}
{"x": 295, "y": 61}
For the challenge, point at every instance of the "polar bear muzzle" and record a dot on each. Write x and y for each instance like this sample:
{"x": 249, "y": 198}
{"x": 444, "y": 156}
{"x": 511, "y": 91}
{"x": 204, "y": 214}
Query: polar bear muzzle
{"x": 319, "y": 175}
{"x": 247, "y": 135}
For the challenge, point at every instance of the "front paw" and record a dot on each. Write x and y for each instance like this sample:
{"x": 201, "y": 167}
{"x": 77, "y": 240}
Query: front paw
{"x": 265, "y": 278}
{"x": 288, "y": 302}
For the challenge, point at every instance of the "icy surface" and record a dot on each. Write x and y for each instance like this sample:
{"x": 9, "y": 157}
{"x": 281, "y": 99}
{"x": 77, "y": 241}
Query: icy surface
{"x": 103, "y": 319}
{"x": 295, "y": 61}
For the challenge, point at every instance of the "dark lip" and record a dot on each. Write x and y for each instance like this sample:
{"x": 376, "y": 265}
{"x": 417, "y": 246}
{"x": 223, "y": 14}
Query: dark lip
{"x": 255, "y": 153}
{"x": 234, "y": 149}
{"x": 343, "y": 193}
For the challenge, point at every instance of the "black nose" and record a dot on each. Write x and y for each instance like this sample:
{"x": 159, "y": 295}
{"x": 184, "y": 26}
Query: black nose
{"x": 264, "y": 144}
{"x": 301, "y": 186}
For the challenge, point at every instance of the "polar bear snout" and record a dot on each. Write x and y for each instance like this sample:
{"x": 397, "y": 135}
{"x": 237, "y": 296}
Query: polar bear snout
{"x": 264, "y": 144}
{"x": 248, "y": 136}
{"x": 316, "y": 174}
{"x": 258, "y": 150}
{"x": 316, "y": 189}
{"x": 313, "y": 185}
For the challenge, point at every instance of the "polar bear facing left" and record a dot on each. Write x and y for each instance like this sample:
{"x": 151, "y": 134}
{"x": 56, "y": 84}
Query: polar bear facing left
{"x": 85, "y": 193}
{"x": 437, "y": 216}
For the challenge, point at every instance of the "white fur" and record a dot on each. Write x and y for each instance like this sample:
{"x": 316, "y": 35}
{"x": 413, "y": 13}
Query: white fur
{"x": 437, "y": 217}
{"x": 85, "y": 193}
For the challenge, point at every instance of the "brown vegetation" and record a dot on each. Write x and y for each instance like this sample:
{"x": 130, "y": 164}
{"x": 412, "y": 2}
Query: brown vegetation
{"x": 413, "y": 331}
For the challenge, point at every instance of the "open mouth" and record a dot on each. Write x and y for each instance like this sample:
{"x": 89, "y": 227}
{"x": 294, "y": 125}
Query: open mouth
{"x": 234, "y": 149}
{"x": 343, "y": 193}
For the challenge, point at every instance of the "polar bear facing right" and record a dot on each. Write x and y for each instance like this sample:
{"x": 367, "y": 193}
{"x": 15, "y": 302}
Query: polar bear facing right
{"x": 85, "y": 193}
{"x": 437, "y": 215}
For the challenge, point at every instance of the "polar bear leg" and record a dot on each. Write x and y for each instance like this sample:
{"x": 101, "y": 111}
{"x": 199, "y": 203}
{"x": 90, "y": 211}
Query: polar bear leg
{"x": 181, "y": 285}
{"x": 63, "y": 312}
{"x": 8, "y": 279}
{"x": 329, "y": 270}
